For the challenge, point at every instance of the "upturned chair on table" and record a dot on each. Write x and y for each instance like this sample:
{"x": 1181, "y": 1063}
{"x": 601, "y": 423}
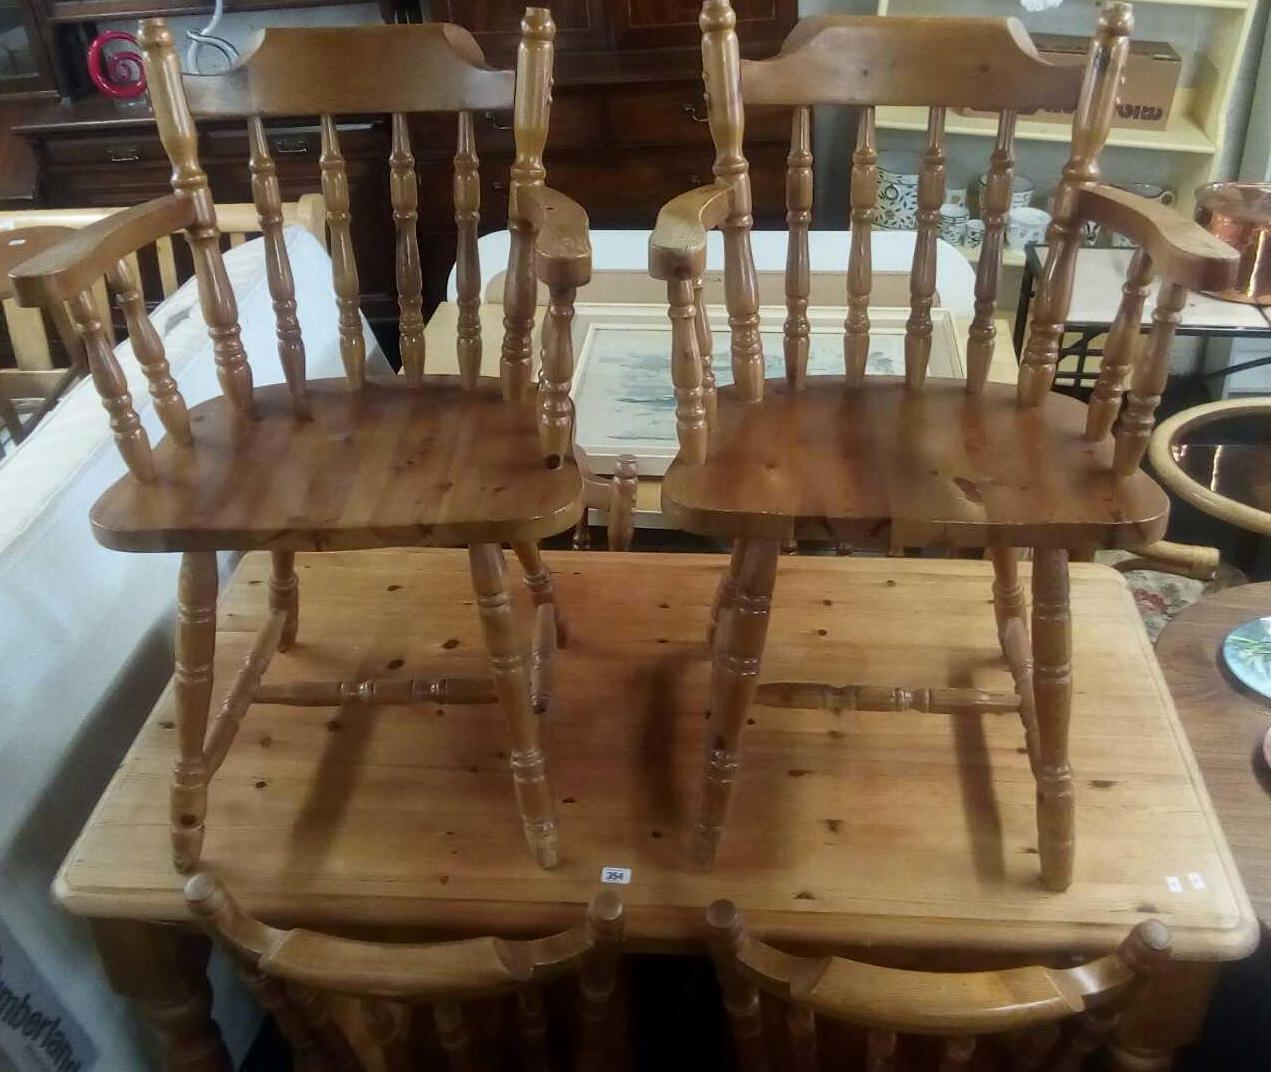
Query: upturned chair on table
{"x": 297, "y": 974}
{"x": 1032, "y": 1018}
{"x": 922, "y": 461}
{"x": 328, "y": 465}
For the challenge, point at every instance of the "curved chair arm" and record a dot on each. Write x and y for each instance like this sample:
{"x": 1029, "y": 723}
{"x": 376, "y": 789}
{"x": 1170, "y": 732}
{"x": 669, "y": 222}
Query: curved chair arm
{"x": 562, "y": 245}
{"x": 1171, "y": 474}
{"x": 452, "y": 971}
{"x": 1182, "y": 251}
{"x": 938, "y": 1003}
{"x": 73, "y": 266}
{"x": 677, "y": 247}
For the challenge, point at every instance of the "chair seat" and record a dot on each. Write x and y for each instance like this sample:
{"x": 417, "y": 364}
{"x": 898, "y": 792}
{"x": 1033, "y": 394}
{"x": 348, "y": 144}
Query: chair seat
{"x": 389, "y": 466}
{"x": 935, "y": 467}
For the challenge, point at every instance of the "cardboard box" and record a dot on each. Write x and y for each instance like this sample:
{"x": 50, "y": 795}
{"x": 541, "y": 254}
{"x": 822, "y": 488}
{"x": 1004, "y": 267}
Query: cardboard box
{"x": 1151, "y": 76}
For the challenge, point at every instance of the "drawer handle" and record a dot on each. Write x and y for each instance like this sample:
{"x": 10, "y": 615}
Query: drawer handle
{"x": 129, "y": 154}
{"x": 690, "y": 109}
{"x": 494, "y": 123}
{"x": 291, "y": 146}
{"x": 499, "y": 187}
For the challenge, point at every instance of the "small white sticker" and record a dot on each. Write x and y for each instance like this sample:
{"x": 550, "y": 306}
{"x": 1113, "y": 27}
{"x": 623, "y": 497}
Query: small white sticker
{"x": 616, "y": 876}
{"x": 1175, "y": 886}
{"x": 1197, "y": 881}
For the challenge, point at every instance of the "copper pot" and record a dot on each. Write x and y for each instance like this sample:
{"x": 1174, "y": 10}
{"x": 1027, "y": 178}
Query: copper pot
{"x": 1240, "y": 214}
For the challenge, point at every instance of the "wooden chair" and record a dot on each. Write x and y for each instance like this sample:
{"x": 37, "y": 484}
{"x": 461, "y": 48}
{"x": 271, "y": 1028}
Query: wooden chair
{"x": 296, "y": 974}
{"x": 1006, "y": 1019}
{"x": 30, "y": 338}
{"x": 42, "y": 372}
{"x": 333, "y": 465}
{"x": 921, "y": 462}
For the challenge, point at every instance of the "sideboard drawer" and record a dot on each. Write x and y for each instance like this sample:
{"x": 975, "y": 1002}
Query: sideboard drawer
{"x": 675, "y": 114}
{"x": 119, "y": 152}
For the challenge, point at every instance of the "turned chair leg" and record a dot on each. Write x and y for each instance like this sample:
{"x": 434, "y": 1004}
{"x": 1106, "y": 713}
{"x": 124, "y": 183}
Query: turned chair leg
{"x": 538, "y": 579}
{"x": 733, "y": 680}
{"x": 1012, "y": 634}
{"x": 510, "y": 668}
{"x": 1052, "y": 686}
{"x": 195, "y": 648}
{"x": 725, "y": 594}
{"x": 284, "y": 595}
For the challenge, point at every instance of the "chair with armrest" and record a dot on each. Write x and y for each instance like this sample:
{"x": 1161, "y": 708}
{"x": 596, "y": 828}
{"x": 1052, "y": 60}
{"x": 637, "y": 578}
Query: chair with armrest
{"x": 1033, "y": 1018}
{"x": 300, "y": 975}
{"x": 919, "y": 461}
{"x": 350, "y": 463}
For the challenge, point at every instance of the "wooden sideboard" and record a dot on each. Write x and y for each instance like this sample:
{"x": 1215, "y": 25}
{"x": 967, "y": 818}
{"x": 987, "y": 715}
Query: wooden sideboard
{"x": 628, "y": 132}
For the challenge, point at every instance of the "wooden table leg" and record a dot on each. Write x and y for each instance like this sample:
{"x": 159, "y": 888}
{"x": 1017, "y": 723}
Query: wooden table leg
{"x": 164, "y": 969}
{"x": 1167, "y": 1013}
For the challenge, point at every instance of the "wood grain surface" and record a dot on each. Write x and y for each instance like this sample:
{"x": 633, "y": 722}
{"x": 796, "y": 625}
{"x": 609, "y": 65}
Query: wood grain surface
{"x": 903, "y": 827}
{"x": 387, "y": 466}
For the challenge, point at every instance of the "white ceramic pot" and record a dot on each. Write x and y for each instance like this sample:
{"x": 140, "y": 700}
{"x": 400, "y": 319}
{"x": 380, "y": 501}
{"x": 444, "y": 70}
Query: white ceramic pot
{"x": 897, "y": 191}
{"x": 974, "y": 234}
{"x": 1026, "y": 227}
{"x": 953, "y": 221}
{"x": 1022, "y": 190}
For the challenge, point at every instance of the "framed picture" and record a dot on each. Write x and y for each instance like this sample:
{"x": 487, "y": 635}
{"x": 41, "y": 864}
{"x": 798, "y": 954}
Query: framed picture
{"x": 622, "y": 372}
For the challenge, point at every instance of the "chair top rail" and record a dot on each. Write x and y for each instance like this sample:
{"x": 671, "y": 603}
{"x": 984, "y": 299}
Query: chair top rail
{"x": 989, "y": 64}
{"x": 353, "y": 70}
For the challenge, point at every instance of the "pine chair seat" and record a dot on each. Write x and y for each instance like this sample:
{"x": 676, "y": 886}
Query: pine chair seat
{"x": 387, "y": 466}
{"x": 843, "y": 462}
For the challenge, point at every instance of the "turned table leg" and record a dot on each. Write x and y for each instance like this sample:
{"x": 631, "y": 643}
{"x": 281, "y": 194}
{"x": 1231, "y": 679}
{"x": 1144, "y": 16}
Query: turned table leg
{"x": 164, "y": 969}
{"x": 738, "y": 652}
{"x": 192, "y": 682}
{"x": 284, "y": 595}
{"x": 542, "y": 589}
{"x": 1167, "y": 1012}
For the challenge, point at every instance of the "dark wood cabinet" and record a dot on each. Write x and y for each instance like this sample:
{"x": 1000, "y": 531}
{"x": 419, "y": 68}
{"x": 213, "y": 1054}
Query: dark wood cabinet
{"x": 628, "y": 132}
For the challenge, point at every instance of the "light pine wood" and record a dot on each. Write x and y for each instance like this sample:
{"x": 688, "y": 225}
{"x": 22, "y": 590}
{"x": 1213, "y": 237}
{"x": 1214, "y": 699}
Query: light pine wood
{"x": 622, "y": 502}
{"x": 374, "y": 692}
{"x": 555, "y": 408}
{"x": 705, "y": 349}
{"x": 951, "y": 869}
{"x": 189, "y": 181}
{"x": 538, "y": 581}
{"x": 995, "y": 203}
{"x": 735, "y": 675}
{"x": 960, "y": 1006}
{"x": 225, "y": 493}
{"x": 148, "y": 348}
{"x": 740, "y": 995}
{"x": 721, "y": 72}
{"x": 511, "y": 681}
{"x": 467, "y": 195}
{"x": 530, "y": 118}
{"x": 725, "y": 593}
{"x": 404, "y": 193}
{"x": 1119, "y": 349}
{"x": 1091, "y": 122}
{"x": 192, "y": 686}
{"x": 951, "y": 701}
{"x": 112, "y": 388}
{"x": 284, "y": 595}
{"x": 1148, "y": 381}
{"x": 344, "y": 274}
{"x": 1052, "y": 692}
{"x": 446, "y": 975}
{"x": 860, "y": 273}
{"x": 798, "y": 266}
{"x": 691, "y": 427}
{"x": 922, "y": 278}
{"x": 936, "y": 467}
{"x": 282, "y": 286}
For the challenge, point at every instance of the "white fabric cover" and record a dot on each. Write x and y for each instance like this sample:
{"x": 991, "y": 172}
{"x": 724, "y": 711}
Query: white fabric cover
{"x": 85, "y": 633}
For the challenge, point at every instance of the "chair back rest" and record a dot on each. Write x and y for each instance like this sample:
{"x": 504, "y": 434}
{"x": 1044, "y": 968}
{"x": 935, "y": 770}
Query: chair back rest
{"x": 299, "y": 975}
{"x": 27, "y": 344}
{"x": 910, "y": 61}
{"x": 1045, "y": 1018}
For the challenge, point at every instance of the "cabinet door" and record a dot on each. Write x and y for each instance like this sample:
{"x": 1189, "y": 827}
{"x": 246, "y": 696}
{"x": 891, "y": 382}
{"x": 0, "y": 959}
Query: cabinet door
{"x": 25, "y": 68}
{"x": 496, "y": 24}
{"x": 761, "y": 24}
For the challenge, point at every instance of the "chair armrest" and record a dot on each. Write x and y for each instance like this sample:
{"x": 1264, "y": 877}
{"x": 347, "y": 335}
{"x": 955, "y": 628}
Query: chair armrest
{"x": 562, "y": 246}
{"x": 74, "y": 265}
{"x": 677, "y": 247}
{"x": 1182, "y": 251}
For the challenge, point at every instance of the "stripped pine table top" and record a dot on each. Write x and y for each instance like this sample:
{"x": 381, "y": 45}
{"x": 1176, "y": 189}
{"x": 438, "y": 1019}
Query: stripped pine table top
{"x": 908, "y": 829}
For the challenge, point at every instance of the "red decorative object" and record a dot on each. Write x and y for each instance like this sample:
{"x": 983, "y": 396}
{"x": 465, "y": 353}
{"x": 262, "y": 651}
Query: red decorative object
{"x": 124, "y": 76}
